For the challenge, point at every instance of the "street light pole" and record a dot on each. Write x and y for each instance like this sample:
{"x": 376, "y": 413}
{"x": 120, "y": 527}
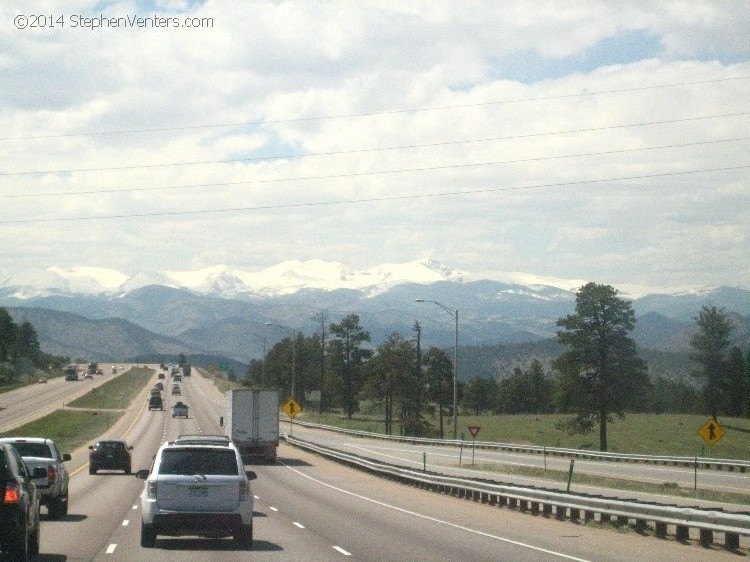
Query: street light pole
{"x": 454, "y": 313}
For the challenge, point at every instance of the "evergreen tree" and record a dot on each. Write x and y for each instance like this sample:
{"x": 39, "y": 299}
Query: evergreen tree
{"x": 600, "y": 367}
{"x": 347, "y": 357}
{"x": 711, "y": 342}
{"x": 8, "y": 331}
{"x": 734, "y": 385}
{"x": 27, "y": 343}
{"x": 439, "y": 376}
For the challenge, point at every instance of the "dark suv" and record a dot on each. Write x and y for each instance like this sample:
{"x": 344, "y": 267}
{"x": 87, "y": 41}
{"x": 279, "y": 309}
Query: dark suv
{"x": 112, "y": 454}
{"x": 19, "y": 510}
{"x": 155, "y": 402}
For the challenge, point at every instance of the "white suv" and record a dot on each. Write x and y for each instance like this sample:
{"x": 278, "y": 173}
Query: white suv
{"x": 196, "y": 488}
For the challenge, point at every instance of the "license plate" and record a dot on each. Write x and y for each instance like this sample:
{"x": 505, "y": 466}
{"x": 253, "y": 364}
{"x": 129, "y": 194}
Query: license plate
{"x": 198, "y": 491}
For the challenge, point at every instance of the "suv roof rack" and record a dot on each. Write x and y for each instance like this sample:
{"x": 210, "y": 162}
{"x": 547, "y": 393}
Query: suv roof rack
{"x": 189, "y": 439}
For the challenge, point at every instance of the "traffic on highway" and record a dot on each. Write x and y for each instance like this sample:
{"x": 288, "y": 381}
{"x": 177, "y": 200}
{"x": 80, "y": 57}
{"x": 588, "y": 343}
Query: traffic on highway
{"x": 154, "y": 495}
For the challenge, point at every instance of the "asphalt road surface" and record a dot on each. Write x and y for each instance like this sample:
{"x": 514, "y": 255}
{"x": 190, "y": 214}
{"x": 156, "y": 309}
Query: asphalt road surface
{"x": 308, "y": 508}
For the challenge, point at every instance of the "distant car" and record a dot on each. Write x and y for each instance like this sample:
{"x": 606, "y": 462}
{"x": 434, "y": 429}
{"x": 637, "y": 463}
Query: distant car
{"x": 155, "y": 402}
{"x": 176, "y": 391}
{"x": 19, "y": 510}
{"x": 111, "y": 454}
{"x": 177, "y": 378}
{"x": 99, "y": 372}
{"x": 197, "y": 489}
{"x": 38, "y": 452}
{"x": 160, "y": 376}
{"x": 180, "y": 410}
{"x": 88, "y": 375}
{"x": 159, "y": 386}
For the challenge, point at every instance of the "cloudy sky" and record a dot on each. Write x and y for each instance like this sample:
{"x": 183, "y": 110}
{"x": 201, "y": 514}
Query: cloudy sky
{"x": 603, "y": 141}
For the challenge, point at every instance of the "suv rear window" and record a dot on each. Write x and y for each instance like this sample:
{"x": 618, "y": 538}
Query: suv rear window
{"x": 33, "y": 450}
{"x": 109, "y": 446}
{"x": 199, "y": 461}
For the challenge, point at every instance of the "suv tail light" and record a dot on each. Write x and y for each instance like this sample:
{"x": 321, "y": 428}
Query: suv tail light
{"x": 244, "y": 490}
{"x": 151, "y": 489}
{"x": 51, "y": 475}
{"x": 11, "y": 493}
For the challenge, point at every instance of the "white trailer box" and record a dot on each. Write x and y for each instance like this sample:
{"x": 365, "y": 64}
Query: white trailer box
{"x": 251, "y": 421}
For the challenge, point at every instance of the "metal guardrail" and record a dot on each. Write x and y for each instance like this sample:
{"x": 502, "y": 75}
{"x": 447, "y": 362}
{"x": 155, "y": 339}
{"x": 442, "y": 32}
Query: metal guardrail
{"x": 574, "y": 507}
{"x": 731, "y": 465}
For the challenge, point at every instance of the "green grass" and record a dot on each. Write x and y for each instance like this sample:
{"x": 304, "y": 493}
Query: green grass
{"x": 117, "y": 393}
{"x": 665, "y": 488}
{"x": 68, "y": 428}
{"x": 649, "y": 434}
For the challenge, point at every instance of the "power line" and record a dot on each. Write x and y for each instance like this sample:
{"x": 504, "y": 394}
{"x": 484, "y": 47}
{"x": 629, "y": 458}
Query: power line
{"x": 377, "y": 149}
{"x": 453, "y": 193}
{"x": 371, "y": 114}
{"x": 361, "y": 174}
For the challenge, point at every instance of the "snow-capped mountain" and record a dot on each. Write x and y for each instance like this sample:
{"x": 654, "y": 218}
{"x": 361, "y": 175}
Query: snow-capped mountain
{"x": 285, "y": 278}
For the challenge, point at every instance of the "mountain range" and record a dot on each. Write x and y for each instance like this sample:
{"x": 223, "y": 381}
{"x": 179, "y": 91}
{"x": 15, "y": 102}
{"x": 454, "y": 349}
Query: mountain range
{"x": 228, "y": 313}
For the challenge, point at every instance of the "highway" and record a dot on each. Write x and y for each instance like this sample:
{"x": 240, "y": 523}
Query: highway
{"x": 451, "y": 460}
{"x": 35, "y": 401}
{"x": 308, "y": 508}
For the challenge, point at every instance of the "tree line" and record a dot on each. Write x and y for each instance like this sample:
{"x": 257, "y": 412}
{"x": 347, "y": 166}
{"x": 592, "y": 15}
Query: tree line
{"x": 20, "y": 352}
{"x": 599, "y": 374}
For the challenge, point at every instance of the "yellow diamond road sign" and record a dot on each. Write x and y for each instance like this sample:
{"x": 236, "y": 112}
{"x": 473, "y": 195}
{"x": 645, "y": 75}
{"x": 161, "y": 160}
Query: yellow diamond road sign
{"x": 291, "y": 408}
{"x": 711, "y": 431}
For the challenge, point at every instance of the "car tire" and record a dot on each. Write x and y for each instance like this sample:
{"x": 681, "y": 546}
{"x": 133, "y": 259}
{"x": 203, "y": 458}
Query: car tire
{"x": 58, "y": 507}
{"x": 18, "y": 546}
{"x": 148, "y": 536}
{"x": 244, "y": 536}
{"x": 33, "y": 540}
{"x": 92, "y": 470}
{"x": 128, "y": 469}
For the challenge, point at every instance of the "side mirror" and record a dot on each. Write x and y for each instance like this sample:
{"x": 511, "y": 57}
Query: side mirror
{"x": 250, "y": 475}
{"x": 66, "y": 457}
{"x": 91, "y": 447}
{"x": 130, "y": 447}
{"x": 142, "y": 474}
{"x": 221, "y": 421}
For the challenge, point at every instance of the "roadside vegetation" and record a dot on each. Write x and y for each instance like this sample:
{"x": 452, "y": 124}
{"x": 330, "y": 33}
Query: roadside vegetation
{"x": 100, "y": 409}
{"x": 117, "y": 393}
{"x": 583, "y": 398}
{"x": 647, "y": 434}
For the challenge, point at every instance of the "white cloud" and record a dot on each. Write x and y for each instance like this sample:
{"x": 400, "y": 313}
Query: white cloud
{"x": 280, "y": 67}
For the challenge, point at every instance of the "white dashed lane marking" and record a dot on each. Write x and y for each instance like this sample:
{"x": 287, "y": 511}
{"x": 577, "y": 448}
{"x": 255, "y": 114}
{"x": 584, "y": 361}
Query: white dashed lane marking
{"x": 342, "y": 551}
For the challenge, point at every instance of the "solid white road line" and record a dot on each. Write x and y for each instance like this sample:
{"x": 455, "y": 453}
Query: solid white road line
{"x": 342, "y": 551}
{"x": 435, "y": 520}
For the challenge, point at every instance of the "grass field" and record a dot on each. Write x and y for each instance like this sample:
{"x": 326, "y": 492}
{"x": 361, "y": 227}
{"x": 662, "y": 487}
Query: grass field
{"x": 104, "y": 406}
{"x": 117, "y": 393}
{"x": 650, "y": 434}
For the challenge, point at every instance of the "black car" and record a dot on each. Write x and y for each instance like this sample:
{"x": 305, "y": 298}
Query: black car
{"x": 112, "y": 454}
{"x": 19, "y": 510}
{"x": 155, "y": 402}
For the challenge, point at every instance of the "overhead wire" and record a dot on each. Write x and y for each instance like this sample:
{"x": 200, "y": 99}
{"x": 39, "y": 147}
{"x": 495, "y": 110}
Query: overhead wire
{"x": 376, "y": 149}
{"x": 373, "y": 113}
{"x": 359, "y": 174}
{"x": 369, "y": 199}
